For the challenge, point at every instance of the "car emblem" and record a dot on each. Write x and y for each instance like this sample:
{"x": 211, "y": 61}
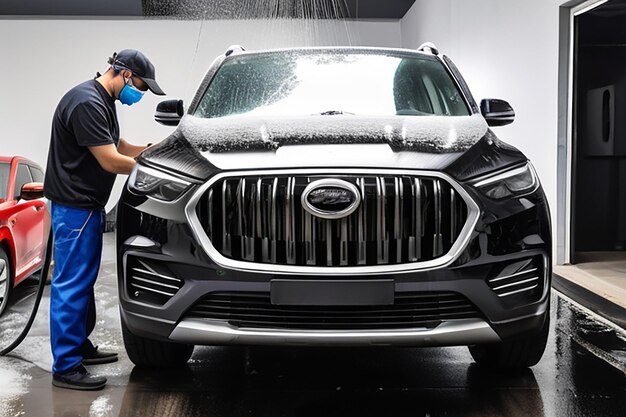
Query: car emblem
{"x": 331, "y": 198}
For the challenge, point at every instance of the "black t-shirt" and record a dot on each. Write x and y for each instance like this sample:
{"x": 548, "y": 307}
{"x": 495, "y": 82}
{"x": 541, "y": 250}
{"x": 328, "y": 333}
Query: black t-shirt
{"x": 85, "y": 117}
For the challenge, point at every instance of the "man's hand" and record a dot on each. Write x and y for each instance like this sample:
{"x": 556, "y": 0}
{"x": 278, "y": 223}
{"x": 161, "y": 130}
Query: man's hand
{"x": 111, "y": 160}
{"x": 128, "y": 149}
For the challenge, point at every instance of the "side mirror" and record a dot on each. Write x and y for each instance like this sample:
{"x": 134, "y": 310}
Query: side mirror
{"x": 31, "y": 191}
{"x": 169, "y": 112}
{"x": 497, "y": 112}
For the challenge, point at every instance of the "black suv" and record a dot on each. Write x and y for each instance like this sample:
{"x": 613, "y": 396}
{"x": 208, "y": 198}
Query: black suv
{"x": 335, "y": 196}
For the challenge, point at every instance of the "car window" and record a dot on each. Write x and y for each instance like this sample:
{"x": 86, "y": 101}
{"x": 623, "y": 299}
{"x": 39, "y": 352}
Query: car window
{"x": 314, "y": 82}
{"x": 36, "y": 173}
{"x": 21, "y": 177}
{"x": 5, "y": 168}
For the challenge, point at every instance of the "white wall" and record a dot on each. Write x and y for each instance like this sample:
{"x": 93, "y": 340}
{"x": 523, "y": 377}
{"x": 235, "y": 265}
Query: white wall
{"x": 505, "y": 49}
{"x": 42, "y": 59}
{"x": 427, "y": 21}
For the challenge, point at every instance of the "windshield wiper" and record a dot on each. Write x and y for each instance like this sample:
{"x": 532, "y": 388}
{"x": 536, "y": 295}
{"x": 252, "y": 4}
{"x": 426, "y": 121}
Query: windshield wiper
{"x": 334, "y": 113}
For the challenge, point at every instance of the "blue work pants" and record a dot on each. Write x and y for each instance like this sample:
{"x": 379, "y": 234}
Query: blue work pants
{"x": 77, "y": 253}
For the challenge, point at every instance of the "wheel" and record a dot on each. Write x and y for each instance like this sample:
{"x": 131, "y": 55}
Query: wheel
{"x": 513, "y": 354}
{"x": 6, "y": 279}
{"x": 150, "y": 353}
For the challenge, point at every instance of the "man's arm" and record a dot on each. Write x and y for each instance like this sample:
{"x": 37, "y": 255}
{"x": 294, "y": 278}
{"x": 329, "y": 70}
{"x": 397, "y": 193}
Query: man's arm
{"x": 128, "y": 149}
{"x": 111, "y": 160}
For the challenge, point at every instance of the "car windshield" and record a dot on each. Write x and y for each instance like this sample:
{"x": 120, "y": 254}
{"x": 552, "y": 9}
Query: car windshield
{"x": 331, "y": 83}
{"x": 4, "y": 179}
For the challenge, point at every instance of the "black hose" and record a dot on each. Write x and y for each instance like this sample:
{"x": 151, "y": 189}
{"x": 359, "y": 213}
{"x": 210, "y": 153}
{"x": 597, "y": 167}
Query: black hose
{"x": 45, "y": 269}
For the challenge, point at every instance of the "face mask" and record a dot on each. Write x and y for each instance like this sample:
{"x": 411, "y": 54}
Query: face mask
{"x": 130, "y": 94}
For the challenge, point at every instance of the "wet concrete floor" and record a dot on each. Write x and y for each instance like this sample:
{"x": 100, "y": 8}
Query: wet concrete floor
{"x": 582, "y": 373}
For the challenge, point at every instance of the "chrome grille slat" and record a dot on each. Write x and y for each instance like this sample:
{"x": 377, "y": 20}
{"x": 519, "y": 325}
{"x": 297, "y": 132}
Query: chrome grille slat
{"x": 257, "y": 208}
{"x": 381, "y": 220}
{"x": 398, "y": 218}
{"x": 453, "y": 210}
{"x": 328, "y": 237}
{"x": 226, "y": 243}
{"x": 260, "y": 220}
{"x": 513, "y": 284}
{"x": 343, "y": 243}
{"x": 438, "y": 237}
{"x": 309, "y": 237}
{"x": 518, "y": 291}
{"x": 210, "y": 211}
{"x": 239, "y": 208}
{"x": 247, "y": 220}
{"x": 401, "y": 219}
{"x": 157, "y": 283}
{"x": 291, "y": 242}
{"x": 155, "y": 274}
{"x": 362, "y": 225}
{"x": 512, "y": 275}
{"x": 415, "y": 235}
{"x": 273, "y": 222}
{"x": 142, "y": 287}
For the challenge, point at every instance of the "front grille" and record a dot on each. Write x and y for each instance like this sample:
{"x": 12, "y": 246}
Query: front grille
{"x": 410, "y": 310}
{"x": 150, "y": 282}
{"x": 400, "y": 219}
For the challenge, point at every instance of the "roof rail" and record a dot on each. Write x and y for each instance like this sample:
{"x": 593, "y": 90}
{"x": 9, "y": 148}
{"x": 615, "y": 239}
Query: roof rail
{"x": 234, "y": 48}
{"x": 429, "y": 47}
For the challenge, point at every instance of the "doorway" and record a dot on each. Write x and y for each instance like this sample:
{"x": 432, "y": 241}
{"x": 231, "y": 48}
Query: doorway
{"x": 598, "y": 187}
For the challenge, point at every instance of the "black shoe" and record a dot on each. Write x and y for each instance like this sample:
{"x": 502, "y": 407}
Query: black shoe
{"x": 97, "y": 357}
{"x": 78, "y": 378}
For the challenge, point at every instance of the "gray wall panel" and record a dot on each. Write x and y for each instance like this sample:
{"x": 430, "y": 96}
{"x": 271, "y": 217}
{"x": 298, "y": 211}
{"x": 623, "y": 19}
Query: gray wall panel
{"x": 211, "y": 9}
{"x": 71, "y": 8}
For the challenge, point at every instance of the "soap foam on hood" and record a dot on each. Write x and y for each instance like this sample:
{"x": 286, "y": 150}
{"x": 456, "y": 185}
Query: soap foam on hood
{"x": 432, "y": 134}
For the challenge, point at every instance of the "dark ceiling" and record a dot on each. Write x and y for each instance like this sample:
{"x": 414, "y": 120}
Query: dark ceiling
{"x": 210, "y": 9}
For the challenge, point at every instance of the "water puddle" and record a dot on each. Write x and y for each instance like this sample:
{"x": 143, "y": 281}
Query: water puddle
{"x": 602, "y": 340}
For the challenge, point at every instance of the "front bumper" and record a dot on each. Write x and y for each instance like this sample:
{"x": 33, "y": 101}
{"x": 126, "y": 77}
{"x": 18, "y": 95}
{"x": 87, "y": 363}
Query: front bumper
{"x": 458, "y": 332}
{"x": 159, "y": 234}
{"x": 499, "y": 319}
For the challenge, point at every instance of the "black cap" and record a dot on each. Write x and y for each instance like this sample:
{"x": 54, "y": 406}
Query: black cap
{"x": 140, "y": 65}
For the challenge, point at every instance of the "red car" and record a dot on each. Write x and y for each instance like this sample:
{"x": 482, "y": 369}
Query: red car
{"x": 24, "y": 223}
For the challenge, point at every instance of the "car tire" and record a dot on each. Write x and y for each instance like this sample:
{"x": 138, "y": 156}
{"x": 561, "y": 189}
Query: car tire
{"x": 150, "y": 353}
{"x": 6, "y": 279}
{"x": 513, "y": 354}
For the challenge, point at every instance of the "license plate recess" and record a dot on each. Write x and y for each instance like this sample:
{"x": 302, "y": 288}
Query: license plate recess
{"x": 332, "y": 292}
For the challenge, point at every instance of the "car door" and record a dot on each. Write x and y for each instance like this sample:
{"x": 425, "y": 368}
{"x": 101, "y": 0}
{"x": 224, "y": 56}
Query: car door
{"x": 40, "y": 229}
{"x": 26, "y": 222}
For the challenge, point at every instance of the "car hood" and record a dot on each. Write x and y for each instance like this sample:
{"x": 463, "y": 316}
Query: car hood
{"x": 434, "y": 134}
{"x": 243, "y": 142}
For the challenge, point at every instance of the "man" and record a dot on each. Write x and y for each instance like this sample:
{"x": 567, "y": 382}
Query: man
{"x": 85, "y": 155}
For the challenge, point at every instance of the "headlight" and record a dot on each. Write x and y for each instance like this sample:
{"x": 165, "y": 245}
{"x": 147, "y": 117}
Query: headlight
{"x": 179, "y": 156}
{"x": 156, "y": 184}
{"x": 516, "y": 182}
